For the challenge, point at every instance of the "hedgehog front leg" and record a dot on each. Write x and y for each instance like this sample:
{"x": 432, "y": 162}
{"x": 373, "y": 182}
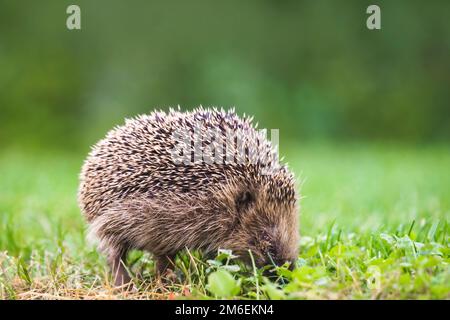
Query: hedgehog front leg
{"x": 116, "y": 261}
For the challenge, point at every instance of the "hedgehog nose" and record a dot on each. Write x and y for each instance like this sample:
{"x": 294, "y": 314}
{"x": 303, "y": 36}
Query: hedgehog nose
{"x": 276, "y": 260}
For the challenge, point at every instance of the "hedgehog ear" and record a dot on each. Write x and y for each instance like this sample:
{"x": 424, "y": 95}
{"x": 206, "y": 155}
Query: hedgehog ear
{"x": 244, "y": 200}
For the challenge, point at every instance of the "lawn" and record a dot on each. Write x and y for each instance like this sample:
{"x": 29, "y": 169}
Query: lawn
{"x": 374, "y": 225}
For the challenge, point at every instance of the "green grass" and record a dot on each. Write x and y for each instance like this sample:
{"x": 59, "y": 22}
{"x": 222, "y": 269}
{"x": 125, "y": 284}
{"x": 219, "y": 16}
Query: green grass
{"x": 374, "y": 225}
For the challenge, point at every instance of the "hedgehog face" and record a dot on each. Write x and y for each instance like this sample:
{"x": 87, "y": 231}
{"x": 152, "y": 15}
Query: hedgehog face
{"x": 266, "y": 225}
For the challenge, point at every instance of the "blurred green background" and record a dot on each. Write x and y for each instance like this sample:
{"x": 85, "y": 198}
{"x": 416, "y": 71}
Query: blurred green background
{"x": 310, "y": 68}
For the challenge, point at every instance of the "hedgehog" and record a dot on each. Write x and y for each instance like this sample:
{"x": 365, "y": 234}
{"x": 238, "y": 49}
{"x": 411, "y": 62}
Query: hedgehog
{"x": 203, "y": 180}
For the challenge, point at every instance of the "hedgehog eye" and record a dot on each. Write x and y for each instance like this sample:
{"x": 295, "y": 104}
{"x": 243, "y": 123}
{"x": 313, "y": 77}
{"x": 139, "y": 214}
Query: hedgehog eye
{"x": 244, "y": 200}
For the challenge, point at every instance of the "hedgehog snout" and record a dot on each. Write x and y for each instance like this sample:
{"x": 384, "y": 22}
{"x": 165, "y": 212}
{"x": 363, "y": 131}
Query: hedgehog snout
{"x": 270, "y": 253}
{"x": 276, "y": 257}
